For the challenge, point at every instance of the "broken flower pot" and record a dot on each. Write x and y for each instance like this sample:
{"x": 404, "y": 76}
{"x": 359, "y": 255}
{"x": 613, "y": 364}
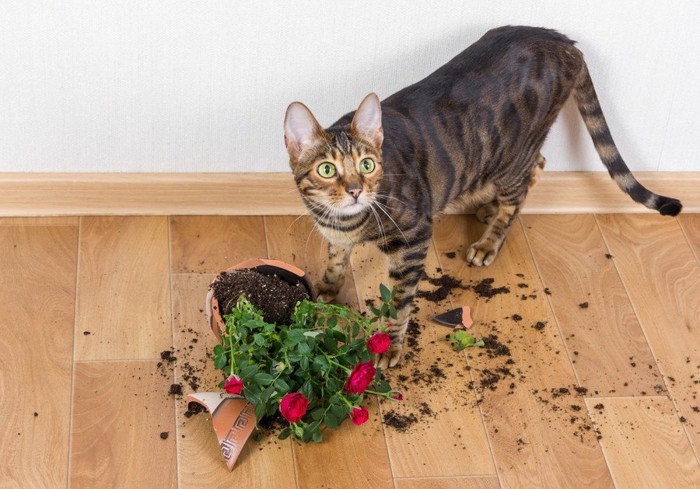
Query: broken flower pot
{"x": 284, "y": 271}
{"x": 233, "y": 416}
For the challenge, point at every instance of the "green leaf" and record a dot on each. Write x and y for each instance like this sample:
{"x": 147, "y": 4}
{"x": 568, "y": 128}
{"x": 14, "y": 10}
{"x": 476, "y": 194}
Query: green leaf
{"x": 330, "y": 420}
{"x": 220, "y": 361}
{"x": 317, "y": 413}
{"x": 384, "y": 292}
{"x": 318, "y": 436}
{"x": 260, "y": 410}
{"x": 307, "y": 390}
{"x": 304, "y": 363}
{"x": 281, "y": 386}
{"x": 263, "y": 378}
{"x": 314, "y": 333}
{"x": 284, "y": 434}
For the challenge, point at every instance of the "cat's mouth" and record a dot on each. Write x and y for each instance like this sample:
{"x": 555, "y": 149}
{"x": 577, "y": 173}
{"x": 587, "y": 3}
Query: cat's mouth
{"x": 351, "y": 208}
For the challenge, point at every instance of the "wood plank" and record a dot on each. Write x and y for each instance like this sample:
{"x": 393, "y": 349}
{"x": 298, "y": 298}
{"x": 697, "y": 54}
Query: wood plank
{"x": 264, "y": 463}
{"x": 123, "y": 288}
{"x": 644, "y": 443}
{"x": 662, "y": 279}
{"x": 37, "y": 296}
{"x": 352, "y": 456}
{"x": 604, "y": 340}
{"x": 309, "y": 251}
{"x": 691, "y": 227}
{"x": 119, "y": 411}
{"x": 486, "y": 482}
{"x": 210, "y": 244}
{"x": 537, "y": 429}
{"x": 47, "y": 194}
{"x": 449, "y": 438}
{"x": 40, "y": 221}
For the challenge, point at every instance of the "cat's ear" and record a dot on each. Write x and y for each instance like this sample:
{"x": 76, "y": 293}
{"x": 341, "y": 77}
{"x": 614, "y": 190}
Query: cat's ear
{"x": 367, "y": 122}
{"x": 301, "y": 130}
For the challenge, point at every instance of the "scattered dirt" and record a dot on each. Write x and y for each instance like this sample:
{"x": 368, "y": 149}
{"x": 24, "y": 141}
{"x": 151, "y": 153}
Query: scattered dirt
{"x": 398, "y": 421}
{"x": 275, "y": 297}
{"x": 164, "y": 435}
{"x": 193, "y": 408}
{"x": 583, "y": 305}
{"x": 486, "y": 289}
{"x": 175, "y": 389}
{"x": 445, "y": 285}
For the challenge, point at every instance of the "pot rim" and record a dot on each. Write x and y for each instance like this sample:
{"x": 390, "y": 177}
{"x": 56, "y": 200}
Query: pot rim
{"x": 216, "y": 322}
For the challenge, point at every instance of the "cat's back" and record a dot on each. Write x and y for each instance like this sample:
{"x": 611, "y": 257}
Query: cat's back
{"x": 499, "y": 56}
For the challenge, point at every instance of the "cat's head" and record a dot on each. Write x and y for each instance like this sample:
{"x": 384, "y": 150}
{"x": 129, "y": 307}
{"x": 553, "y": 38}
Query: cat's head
{"x": 336, "y": 170}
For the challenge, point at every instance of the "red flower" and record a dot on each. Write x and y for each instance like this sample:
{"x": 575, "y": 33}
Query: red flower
{"x": 379, "y": 343}
{"x": 293, "y": 406}
{"x": 233, "y": 385}
{"x": 360, "y": 378}
{"x": 396, "y": 396}
{"x": 359, "y": 415}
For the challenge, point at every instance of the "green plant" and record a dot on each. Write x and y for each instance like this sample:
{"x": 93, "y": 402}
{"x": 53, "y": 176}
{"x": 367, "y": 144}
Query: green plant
{"x": 461, "y": 340}
{"x": 315, "y": 371}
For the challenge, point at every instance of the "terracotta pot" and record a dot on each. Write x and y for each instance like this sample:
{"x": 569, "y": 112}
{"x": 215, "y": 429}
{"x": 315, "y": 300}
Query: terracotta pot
{"x": 285, "y": 271}
{"x": 233, "y": 419}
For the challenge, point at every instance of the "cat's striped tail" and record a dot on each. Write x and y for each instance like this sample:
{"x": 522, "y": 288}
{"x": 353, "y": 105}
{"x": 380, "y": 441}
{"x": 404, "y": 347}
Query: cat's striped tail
{"x": 589, "y": 106}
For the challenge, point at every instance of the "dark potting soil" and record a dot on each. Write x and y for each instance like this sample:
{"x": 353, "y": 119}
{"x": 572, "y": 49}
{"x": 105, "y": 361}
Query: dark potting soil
{"x": 445, "y": 284}
{"x": 486, "y": 289}
{"x": 275, "y": 297}
{"x": 194, "y": 408}
{"x": 398, "y": 421}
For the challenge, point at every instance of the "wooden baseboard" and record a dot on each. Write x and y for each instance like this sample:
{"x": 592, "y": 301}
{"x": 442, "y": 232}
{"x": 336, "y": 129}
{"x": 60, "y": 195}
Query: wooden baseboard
{"x": 71, "y": 194}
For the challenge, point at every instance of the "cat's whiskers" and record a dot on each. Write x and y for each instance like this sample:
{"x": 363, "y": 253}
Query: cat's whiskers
{"x": 381, "y": 208}
{"x": 382, "y": 234}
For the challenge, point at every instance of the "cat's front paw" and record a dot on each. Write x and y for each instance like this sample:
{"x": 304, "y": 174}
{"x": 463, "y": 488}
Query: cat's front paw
{"x": 389, "y": 358}
{"x": 325, "y": 293}
{"x": 480, "y": 254}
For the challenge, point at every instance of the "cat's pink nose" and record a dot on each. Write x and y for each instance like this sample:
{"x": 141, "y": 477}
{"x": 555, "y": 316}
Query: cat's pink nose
{"x": 355, "y": 192}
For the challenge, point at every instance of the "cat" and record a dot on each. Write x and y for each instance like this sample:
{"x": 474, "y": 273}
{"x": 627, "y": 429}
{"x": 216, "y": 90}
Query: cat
{"x": 469, "y": 133}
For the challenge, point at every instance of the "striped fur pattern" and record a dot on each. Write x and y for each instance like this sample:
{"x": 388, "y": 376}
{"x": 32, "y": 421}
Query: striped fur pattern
{"x": 469, "y": 133}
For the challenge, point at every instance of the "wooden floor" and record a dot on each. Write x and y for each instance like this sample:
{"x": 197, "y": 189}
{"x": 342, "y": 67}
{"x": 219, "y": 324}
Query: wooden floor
{"x": 599, "y": 389}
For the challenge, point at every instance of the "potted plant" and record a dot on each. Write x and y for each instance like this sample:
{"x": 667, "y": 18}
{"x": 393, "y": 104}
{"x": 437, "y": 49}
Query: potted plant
{"x": 314, "y": 368}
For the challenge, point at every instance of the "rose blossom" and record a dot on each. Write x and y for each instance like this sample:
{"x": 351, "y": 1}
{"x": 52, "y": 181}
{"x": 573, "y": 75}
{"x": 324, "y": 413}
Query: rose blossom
{"x": 293, "y": 406}
{"x": 379, "y": 343}
{"x": 360, "y": 378}
{"x": 359, "y": 415}
{"x": 233, "y": 385}
{"x": 396, "y": 396}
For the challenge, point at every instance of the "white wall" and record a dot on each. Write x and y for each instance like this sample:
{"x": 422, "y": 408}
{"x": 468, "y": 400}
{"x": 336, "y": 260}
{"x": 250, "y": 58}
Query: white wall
{"x": 173, "y": 85}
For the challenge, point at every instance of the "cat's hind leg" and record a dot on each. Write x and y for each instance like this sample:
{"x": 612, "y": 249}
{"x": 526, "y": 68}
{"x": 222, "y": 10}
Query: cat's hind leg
{"x": 500, "y": 215}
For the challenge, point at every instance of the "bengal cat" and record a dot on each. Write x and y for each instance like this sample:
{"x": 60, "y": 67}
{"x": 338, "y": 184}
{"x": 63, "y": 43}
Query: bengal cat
{"x": 469, "y": 133}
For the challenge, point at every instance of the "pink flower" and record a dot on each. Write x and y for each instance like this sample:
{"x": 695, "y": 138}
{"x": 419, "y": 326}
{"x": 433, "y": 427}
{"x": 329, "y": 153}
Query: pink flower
{"x": 396, "y": 396}
{"x": 360, "y": 378}
{"x": 359, "y": 415}
{"x": 233, "y": 385}
{"x": 293, "y": 406}
{"x": 379, "y": 343}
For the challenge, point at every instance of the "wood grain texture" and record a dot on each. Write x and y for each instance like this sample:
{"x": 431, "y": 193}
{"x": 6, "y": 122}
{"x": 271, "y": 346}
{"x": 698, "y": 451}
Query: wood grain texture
{"x": 123, "y": 288}
{"x": 691, "y": 227}
{"x": 662, "y": 279}
{"x": 73, "y": 194}
{"x": 352, "y": 456}
{"x": 40, "y": 221}
{"x": 644, "y": 442}
{"x": 478, "y": 482}
{"x": 37, "y": 294}
{"x": 119, "y": 411}
{"x": 263, "y": 463}
{"x": 533, "y": 439}
{"x": 604, "y": 339}
{"x": 210, "y": 244}
{"x": 295, "y": 241}
{"x": 449, "y": 439}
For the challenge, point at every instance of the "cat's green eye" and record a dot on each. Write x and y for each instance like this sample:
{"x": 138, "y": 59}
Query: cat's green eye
{"x": 326, "y": 170}
{"x": 367, "y": 165}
